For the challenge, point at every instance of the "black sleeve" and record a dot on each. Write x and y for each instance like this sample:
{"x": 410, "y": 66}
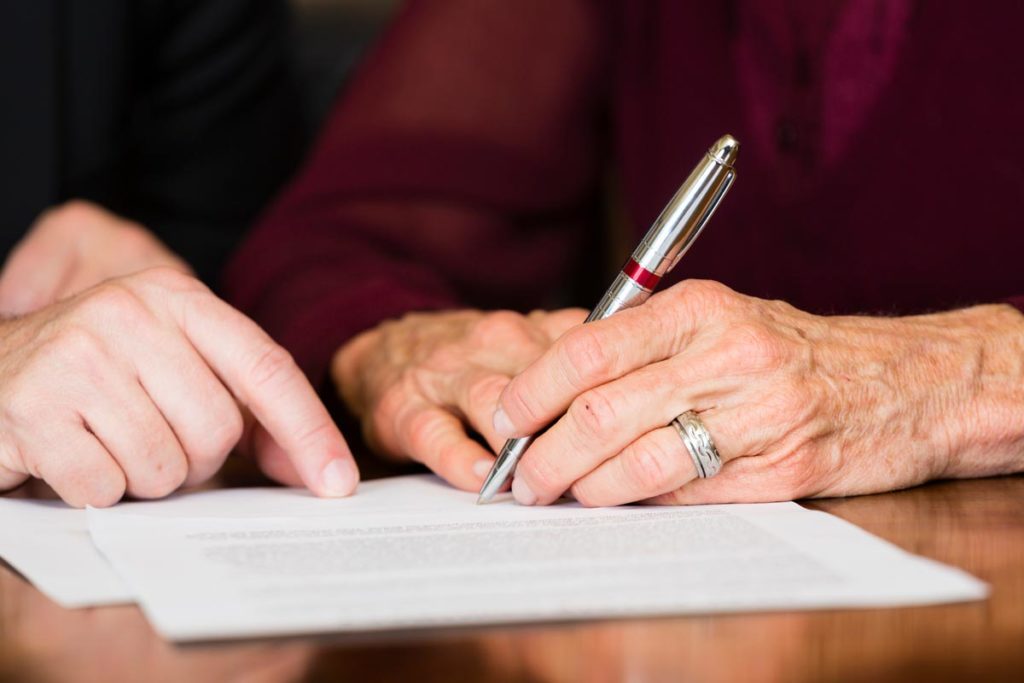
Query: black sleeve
{"x": 215, "y": 122}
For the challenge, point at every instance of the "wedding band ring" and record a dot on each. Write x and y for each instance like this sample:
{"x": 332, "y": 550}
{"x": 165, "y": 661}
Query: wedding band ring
{"x": 698, "y": 442}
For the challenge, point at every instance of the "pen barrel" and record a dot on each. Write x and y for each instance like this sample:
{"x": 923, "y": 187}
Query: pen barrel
{"x": 509, "y": 457}
{"x": 684, "y": 217}
{"x": 624, "y": 293}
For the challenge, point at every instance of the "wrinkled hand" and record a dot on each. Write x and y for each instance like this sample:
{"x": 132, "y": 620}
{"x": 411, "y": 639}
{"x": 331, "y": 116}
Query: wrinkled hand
{"x": 71, "y": 248}
{"x": 419, "y": 382}
{"x": 139, "y": 385}
{"x": 798, "y": 405}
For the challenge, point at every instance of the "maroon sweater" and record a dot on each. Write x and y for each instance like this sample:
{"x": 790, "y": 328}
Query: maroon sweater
{"x": 881, "y": 168}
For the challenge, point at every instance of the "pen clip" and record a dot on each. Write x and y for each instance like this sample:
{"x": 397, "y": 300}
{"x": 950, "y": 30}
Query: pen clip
{"x": 730, "y": 175}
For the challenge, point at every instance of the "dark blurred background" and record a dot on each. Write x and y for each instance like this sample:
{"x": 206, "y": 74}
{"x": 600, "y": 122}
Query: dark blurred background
{"x": 329, "y": 38}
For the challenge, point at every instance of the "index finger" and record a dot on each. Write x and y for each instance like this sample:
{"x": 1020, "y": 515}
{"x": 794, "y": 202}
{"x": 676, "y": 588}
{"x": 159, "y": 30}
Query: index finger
{"x": 263, "y": 376}
{"x": 585, "y": 357}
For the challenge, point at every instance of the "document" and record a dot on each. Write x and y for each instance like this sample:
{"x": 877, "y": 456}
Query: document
{"x": 412, "y": 552}
{"x": 49, "y": 544}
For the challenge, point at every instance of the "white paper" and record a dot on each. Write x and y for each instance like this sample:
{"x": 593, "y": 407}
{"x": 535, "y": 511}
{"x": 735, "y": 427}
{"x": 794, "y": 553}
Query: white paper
{"x": 49, "y": 543}
{"x": 412, "y": 552}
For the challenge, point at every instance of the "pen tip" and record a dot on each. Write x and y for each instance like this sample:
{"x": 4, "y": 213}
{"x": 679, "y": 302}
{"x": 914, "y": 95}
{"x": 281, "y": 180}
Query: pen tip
{"x": 480, "y": 500}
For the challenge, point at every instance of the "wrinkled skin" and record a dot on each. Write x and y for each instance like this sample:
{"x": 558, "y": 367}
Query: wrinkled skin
{"x": 418, "y": 383}
{"x": 798, "y": 405}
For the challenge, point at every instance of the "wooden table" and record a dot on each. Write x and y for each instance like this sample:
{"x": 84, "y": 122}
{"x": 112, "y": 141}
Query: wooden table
{"x": 976, "y": 525}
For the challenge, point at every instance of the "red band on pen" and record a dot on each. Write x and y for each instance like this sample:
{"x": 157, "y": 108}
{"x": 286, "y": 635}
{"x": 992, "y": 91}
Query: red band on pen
{"x": 640, "y": 275}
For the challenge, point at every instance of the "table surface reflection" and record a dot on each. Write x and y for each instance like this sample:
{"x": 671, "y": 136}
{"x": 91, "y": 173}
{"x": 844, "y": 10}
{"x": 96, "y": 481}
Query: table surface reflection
{"x": 976, "y": 525}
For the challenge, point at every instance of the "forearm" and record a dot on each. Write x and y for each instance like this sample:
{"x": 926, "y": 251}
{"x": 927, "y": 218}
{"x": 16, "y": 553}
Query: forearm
{"x": 986, "y": 424}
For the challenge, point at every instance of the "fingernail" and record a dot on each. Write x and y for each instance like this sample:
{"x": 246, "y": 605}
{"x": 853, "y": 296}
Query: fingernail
{"x": 482, "y": 467}
{"x": 522, "y": 493}
{"x": 338, "y": 478}
{"x": 503, "y": 425}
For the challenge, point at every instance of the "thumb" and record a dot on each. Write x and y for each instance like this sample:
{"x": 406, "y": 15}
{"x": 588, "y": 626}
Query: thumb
{"x": 33, "y": 275}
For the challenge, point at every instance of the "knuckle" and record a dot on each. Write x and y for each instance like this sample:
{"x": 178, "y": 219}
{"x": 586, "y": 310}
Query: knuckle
{"x": 521, "y": 409}
{"x": 99, "y": 489}
{"x": 271, "y": 365}
{"x": 388, "y": 420}
{"x": 406, "y": 321}
{"x": 75, "y": 350}
{"x": 101, "y": 496}
{"x": 164, "y": 476}
{"x": 757, "y": 347}
{"x": 545, "y": 479}
{"x": 497, "y": 328}
{"x": 419, "y": 433}
{"x": 483, "y": 392}
{"x": 171, "y": 473}
{"x": 708, "y": 292}
{"x": 113, "y": 303}
{"x": 77, "y": 344}
{"x": 223, "y": 435}
{"x": 649, "y": 464}
{"x": 389, "y": 404}
{"x": 593, "y": 413}
{"x": 316, "y": 431}
{"x": 447, "y": 459}
{"x": 585, "y": 357}
{"x": 591, "y": 494}
{"x": 229, "y": 433}
{"x": 704, "y": 300}
{"x": 172, "y": 279}
{"x": 674, "y": 497}
{"x": 585, "y": 496}
{"x": 446, "y": 358}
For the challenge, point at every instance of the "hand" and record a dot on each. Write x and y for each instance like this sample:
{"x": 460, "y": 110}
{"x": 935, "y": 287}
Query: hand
{"x": 71, "y": 248}
{"x": 798, "y": 405}
{"x": 138, "y": 385}
{"x": 419, "y": 382}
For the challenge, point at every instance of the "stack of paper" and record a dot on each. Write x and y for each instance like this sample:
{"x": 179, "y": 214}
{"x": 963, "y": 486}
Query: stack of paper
{"x": 49, "y": 543}
{"x": 412, "y": 552}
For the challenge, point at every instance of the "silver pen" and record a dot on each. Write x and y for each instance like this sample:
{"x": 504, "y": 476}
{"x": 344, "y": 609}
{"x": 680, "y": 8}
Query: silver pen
{"x": 658, "y": 252}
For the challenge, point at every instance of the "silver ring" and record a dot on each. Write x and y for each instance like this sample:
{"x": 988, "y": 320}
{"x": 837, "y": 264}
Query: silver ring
{"x": 698, "y": 442}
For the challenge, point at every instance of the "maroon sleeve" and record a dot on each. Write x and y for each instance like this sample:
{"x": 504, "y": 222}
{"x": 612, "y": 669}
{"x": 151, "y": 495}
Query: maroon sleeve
{"x": 457, "y": 169}
{"x": 1017, "y": 302}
